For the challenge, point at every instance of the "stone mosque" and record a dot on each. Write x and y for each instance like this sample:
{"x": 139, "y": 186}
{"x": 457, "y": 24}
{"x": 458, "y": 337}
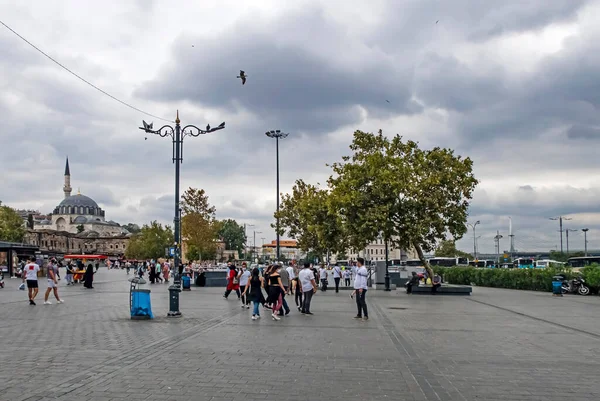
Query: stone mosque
{"x": 77, "y": 211}
{"x": 76, "y": 226}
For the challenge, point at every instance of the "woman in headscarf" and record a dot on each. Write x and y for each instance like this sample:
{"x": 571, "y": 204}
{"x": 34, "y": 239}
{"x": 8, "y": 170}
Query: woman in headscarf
{"x": 88, "y": 277}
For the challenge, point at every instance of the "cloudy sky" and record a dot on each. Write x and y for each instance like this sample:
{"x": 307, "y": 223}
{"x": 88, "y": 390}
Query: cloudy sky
{"x": 513, "y": 84}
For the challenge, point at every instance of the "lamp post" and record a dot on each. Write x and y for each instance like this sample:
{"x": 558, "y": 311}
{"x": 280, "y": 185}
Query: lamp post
{"x": 585, "y": 230}
{"x": 177, "y": 135}
{"x": 474, "y": 238}
{"x": 560, "y": 220}
{"x": 262, "y": 249}
{"x": 277, "y": 134}
{"x": 254, "y": 245}
{"x": 497, "y": 238}
{"x": 387, "y": 268}
{"x": 567, "y": 231}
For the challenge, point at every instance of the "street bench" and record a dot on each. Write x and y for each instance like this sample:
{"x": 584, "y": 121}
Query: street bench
{"x": 445, "y": 289}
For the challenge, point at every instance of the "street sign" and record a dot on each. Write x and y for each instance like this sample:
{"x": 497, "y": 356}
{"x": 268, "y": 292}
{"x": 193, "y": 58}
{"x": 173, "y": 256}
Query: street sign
{"x": 172, "y": 251}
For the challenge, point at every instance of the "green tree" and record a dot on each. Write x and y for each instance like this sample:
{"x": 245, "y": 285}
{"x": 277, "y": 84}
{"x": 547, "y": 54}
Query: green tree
{"x": 80, "y": 228}
{"x": 150, "y": 242}
{"x": 410, "y": 196}
{"x": 199, "y": 226}
{"x": 306, "y": 215}
{"x": 232, "y": 234}
{"x": 447, "y": 249}
{"x": 11, "y": 225}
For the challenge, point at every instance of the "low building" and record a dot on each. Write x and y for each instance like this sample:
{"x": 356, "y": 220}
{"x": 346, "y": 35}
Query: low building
{"x": 288, "y": 249}
{"x": 58, "y": 243}
{"x": 375, "y": 251}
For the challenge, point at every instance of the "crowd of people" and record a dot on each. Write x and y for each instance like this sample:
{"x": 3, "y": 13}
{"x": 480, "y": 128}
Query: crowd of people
{"x": 270, "y": 286}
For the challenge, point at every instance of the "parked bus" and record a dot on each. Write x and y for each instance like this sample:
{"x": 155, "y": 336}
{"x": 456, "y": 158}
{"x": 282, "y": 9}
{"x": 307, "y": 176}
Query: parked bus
{"x": 448, "y": 262}
{"x": 582, "y": 261}
{"x": 482, "y": 263}
{"x": 543, "y": 263}
{"x": 524, "y": 263}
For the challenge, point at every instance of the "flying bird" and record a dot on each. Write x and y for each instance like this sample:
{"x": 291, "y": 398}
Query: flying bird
{"x": 192, "y": 45}
{"x": 146, "y": 138}
{"x": 387, "y": 100}
{"x": 147, "y": 127}
{"x": 437, "y": 21}
{"x": 208, "y": 127}
{"x": 243, "y": 76}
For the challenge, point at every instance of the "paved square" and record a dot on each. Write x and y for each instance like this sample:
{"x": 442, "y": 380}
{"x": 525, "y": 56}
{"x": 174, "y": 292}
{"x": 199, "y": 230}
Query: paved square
{"x": 494, "y": 345}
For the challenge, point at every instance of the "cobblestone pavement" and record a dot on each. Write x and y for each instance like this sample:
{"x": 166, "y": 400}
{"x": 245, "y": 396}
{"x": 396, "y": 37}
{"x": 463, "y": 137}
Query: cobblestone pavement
{"x": 494, "y": 345}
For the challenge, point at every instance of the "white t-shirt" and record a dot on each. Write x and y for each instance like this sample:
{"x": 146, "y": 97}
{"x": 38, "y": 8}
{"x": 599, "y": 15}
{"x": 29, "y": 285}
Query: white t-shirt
{"x": 322, "y": 273}
{"x": 31, "y": 271}
{"x": 337, "y": 272}
{"x": 245, "y": 277}
{"x": 346, "y": 273}
{"x": 291, "y": 273}
{"x": 306, "y": 276}
{"x": 360, "y": 282}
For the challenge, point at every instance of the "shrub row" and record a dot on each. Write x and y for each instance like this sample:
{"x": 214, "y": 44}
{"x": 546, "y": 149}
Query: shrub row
{"x": 517, "y": 279}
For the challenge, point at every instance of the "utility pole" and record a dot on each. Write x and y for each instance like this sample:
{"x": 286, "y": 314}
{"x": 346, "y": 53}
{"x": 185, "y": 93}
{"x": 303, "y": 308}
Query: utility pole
{"x": 512, "y": 238}
{"x": 567, "y": 231}
{"x": 474, "y": 238}
{"x": 560, "y": 222}
{"x": 585, "y": 230}
{"x": 497, "y": 239}
{"x": 177, "y": 135}
{"x": 254, "y": 246}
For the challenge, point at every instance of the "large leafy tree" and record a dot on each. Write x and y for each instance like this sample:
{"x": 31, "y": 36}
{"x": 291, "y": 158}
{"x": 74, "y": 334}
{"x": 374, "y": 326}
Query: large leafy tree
{"x": 198, "y": 224}
{"x": 150, "y": 242}
{"x": 447, "y": 249}
{"x": 232, "y": 234}
{"x": 306, "y": 215}
{"x": 11, "y": 225}
{"x": 410, "y": 196}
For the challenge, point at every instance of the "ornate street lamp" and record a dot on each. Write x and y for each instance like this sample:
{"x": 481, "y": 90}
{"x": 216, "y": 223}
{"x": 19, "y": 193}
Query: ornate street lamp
{"x": 177, "y": 135}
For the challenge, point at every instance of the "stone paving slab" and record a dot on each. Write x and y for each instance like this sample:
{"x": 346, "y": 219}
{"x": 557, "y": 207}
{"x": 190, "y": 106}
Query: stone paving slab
{"x": 494, "y": 345}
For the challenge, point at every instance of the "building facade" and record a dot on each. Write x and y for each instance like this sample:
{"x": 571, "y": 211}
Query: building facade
{"x": 375, "y": 251}
{"x": 76, "y": 225}
{"x": 288, "y": 249}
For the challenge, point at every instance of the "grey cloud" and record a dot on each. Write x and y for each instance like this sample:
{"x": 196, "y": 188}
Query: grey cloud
{"x": 526, "y": 188}
{"x": 583, "y": 132}
{"x": 287, "y": 82}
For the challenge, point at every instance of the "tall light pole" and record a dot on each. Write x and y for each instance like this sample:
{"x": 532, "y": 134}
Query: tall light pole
{"x": 567, "y": 231}
{"x": 560, "y": 220}
{"x": 277, "y": 134}
{"x": 497, "y": 238}
{"x": 245, "y": 243}
{"x": 254, "y": 245}
{"x": 474, "y": 238}
{"x": 177, "y": 135}
{"x": 262, "y": 248}
{"x": 585, "y": 230}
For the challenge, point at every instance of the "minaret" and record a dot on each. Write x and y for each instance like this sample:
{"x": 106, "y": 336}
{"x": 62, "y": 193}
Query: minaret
{"x": 67, "y": 187}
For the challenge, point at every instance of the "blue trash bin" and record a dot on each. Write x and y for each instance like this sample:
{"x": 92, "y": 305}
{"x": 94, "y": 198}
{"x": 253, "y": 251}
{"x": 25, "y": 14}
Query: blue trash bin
{"x": 557, "y": 285}
{"x": 141, "y": 307}
{"x": 186, "y": 282}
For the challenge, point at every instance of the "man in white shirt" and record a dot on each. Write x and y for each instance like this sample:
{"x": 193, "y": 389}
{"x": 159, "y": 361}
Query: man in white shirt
{"x": 347, "y": 275}
{"x": 52, "y": 283}
{"x": 323, "y": 277}
{"x": 309, "y": 287}
{"x": 360, "y": 285}
{"x": 337, "y": 276}
{"x": 30, "y": 272}
{"x": 244, "y": 276}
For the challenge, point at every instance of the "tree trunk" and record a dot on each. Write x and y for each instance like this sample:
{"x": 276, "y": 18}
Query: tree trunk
{"x": 423, "y": 260}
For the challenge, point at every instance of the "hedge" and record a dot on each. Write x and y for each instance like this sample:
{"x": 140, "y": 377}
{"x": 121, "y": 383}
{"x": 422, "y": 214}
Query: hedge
{"x": 517, "y": 279}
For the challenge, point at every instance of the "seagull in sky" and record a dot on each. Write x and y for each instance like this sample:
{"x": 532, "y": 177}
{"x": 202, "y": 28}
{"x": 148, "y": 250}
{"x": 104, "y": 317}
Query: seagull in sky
{"x": 437, "y": 21}
{"x": 147, "y": 126}
{"x": 387, "y": 100}
{"x": 242, "y": 76}
{"x": 208, "y": 127}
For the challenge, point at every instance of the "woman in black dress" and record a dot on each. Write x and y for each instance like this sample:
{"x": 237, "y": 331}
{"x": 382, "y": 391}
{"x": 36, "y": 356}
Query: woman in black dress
{"x": 254, "y": 288}
{"x": 88, "y": 277}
